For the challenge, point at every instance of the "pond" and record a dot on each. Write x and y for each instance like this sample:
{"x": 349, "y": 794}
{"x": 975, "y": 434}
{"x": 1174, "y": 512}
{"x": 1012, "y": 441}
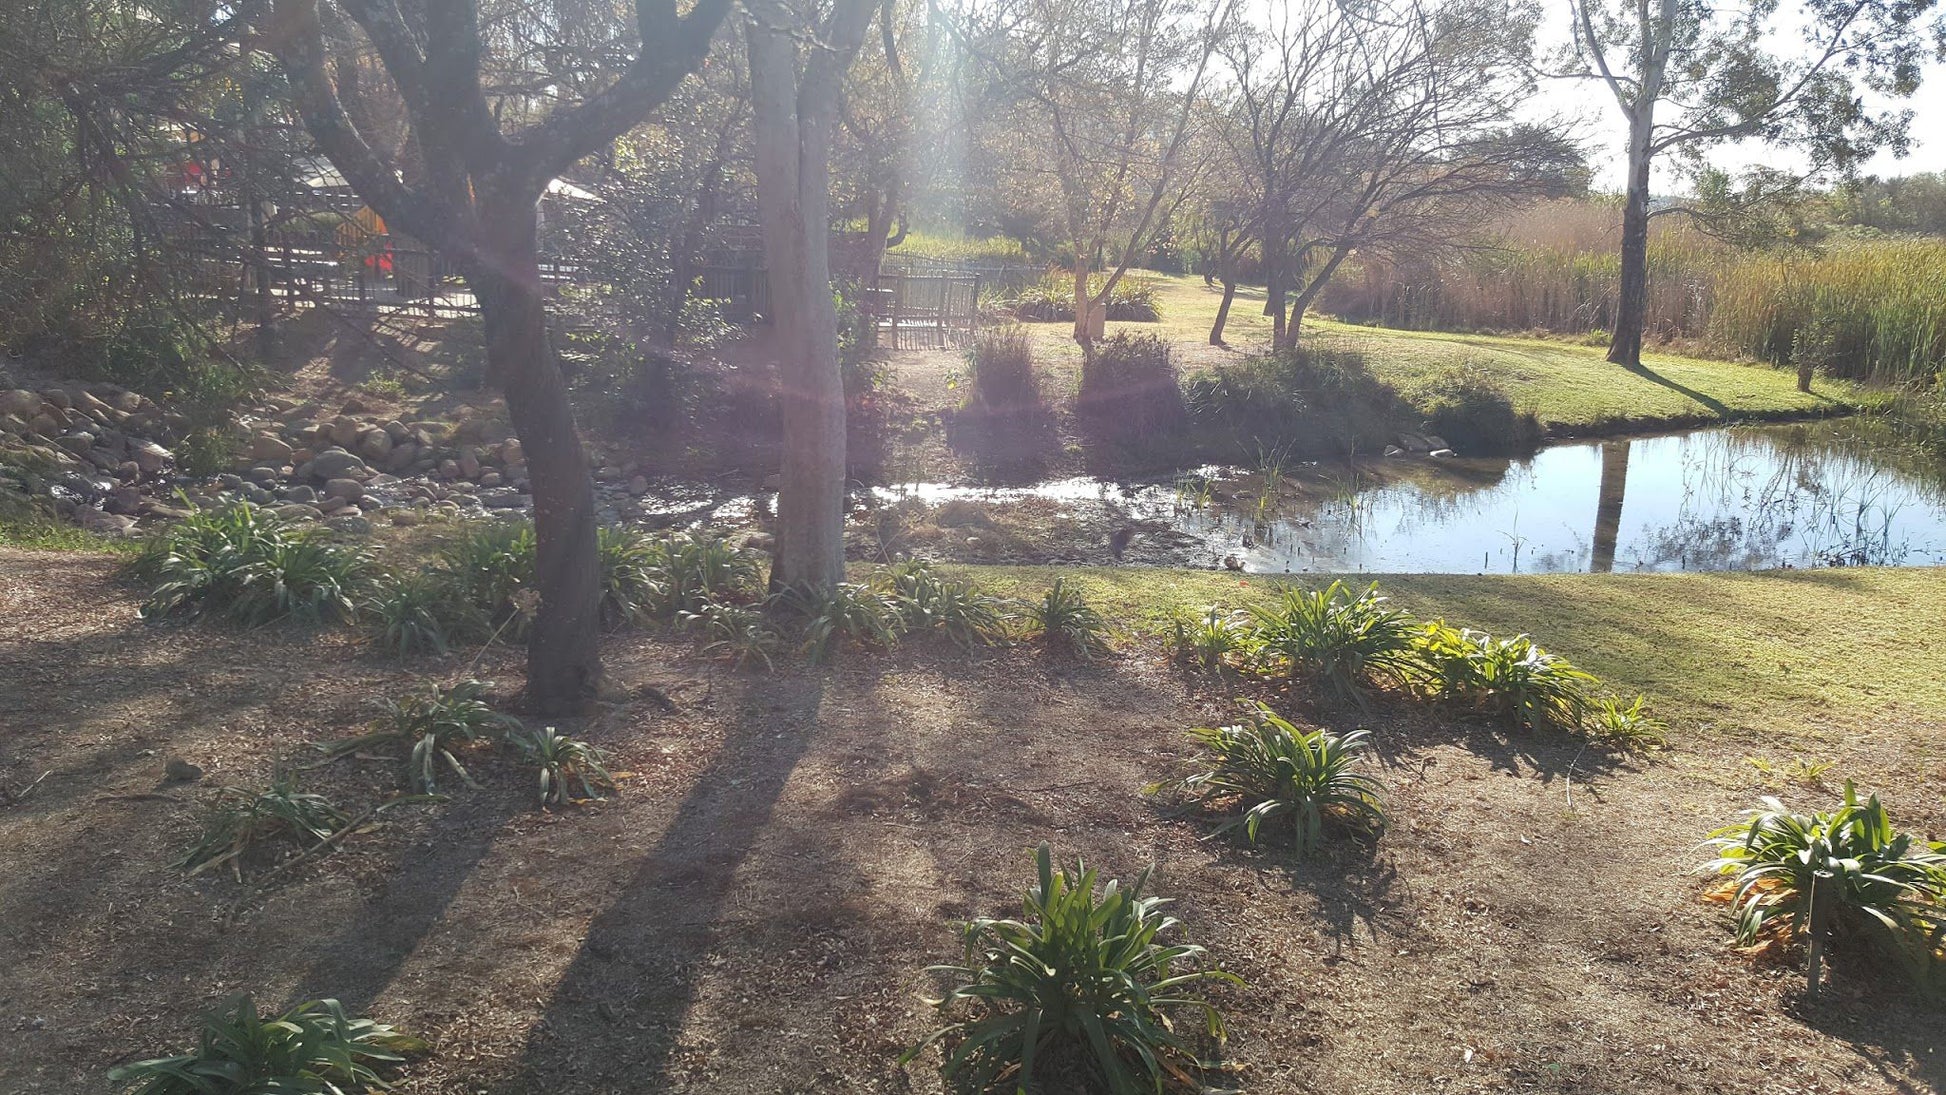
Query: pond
{"x": 1734, "y": 498}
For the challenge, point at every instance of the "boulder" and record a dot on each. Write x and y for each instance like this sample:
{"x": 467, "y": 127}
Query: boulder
{"x": 469, "y": 463}
{"x": 125, "y": 401}
{"x": 263, "y": 476}
{"x": 512, "y": 453}
{"x": 347, "y": 490}
{"x": 77, "y": 443}
{"x": 638, "y": 486}
{"x": 298, "y": 511}
{"x": 349, "y": 524}
{"x": 104, "y": 524}
{"x": 401, "y": 456}
{"x": 338, "y": 464}
{"x": 20, "y": 403}
{"x": 123, "y": 500}
{"x": 150, "y": 457}
{"x": 301, "y": 494}
{"x": 397, "y": 431}
{"x": 345, "y": 430}
{"x": 58, "y": 397}
{"x": 267, "y": 448}
{"x": 14, "y": 424}
{"x": 374, "y": 444}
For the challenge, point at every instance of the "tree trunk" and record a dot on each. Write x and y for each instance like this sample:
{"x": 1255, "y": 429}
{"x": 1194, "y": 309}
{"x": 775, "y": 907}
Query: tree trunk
{"x": 1274, "y": 287}
{"x": 1287, "y": 338}
{"x": 1223, "y": 310}
{"x": 792, "y": 149}
{"x": 1084, "y": 303}
{"x": 1608, "y": 505}
{"x": 563, "y": 649}
{"x": 1631, "y": 306}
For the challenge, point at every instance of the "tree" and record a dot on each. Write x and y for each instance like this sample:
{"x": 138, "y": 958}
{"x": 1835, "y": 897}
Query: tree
{"x": 797, "y": 69}
{"x": 471, "y": 194}
{"x": 1376, "y": 127}
{"x": 1689, "y": 75}
{"x": 1107, "y": 90}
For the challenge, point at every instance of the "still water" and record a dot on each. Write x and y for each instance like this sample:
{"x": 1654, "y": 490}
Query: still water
{"x": 1735, "y": 498}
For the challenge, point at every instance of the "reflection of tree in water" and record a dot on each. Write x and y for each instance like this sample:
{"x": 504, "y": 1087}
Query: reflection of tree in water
{"x": 1761, "y": 500}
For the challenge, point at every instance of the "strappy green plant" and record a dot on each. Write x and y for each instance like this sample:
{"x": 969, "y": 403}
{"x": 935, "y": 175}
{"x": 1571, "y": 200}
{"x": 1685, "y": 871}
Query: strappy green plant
{"x": 849, "y": 613}
{"x": 931, "y": 604}
{"x": 564, "y": 761}
{"x": 246, "y": 564}
{"x": 1889, "y": 886}
{"x": 241, "y": 820}
{"x": 312, "y": 1049}
{"x": 1269, "y": 774}
{"x": 1065, "y": 620}
{"x": 1210, "y": 640}
{"x": 738, "y": 634}
{"x": 1084, "y": 973}
{"x": 1344, "y": 641}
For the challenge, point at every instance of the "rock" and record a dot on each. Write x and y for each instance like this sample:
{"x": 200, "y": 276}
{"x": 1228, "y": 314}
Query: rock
{"x": 151, "y": 457}
{"x": 104, "y": 524}
{"x": 77, "y": 443}
{"x": 268, "y": 448}
{"x": 126, "y": 501}
{"x": 1412, "y": 442}
{"x": 406, "y": 518}
{"x": 347, "y": 490}
{"x": 87, "y": 404}
{"x": 128, "y": 471}
{"x": 638, "y": 486}
{"x": 449, "y": 469}
{"x": 759, "y": 541}
{"x": 125, "y": 401}
{"x": 397, "y": 431}
{"x": 179, "y": 770}
{"x": 338, "y": 464}
{"x": 1434, "y": 441}
{"x": 490, "y": 479}
{"x": 374, "y": 444}
{"x": 469, "y": 463}
{"x": 58, "y": 397}
{"x": 1394, "y": 450}
{"x": 345, "y": 430}
{"x": 13, "y": 424}
{"x": 262, "y": 476}
{"x": 45, "y": 425}
{"x": 301, "y": 494}
{"x": 504, "y": 498}
{"x": 297, "y": 511}
{"x": 1442, "y": 454}
{"x": 256, "y": 494}
{"x": 153, "y": 508}
{"x": 20, "y": 403}
{"x": 402, "y": 456}
{"x": 512, "y": 453}
{"x": 350, "y": 524}
{"x": 355, "y": 405}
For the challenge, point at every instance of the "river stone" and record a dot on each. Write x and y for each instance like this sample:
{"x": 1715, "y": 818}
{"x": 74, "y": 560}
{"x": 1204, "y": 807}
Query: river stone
{"x": 76, "y": 443}
{"x": 298, "y": 511}
{"x": 345, "y": 489}
{"x": 150, "y": 457}
{"x": 264, "y": 476}
{"x": 350, "y": 524}
{"x": 58, "y": 397}
{"x": 374, "y": 444}
{"x": 20, "y": 402}
{"x": 402, "y": 456}
{"x": 345, "y": 430}
{"x": 301, "y": 494}
{"x": 512, "y": 453}
{"x": 45, "y": 425}
{"x": 125, "y": 401}
{"x": 266, "y": 448}
{"x": 104, "y": 524}
{"x": 337, "y": 464}
{"x": 469, "y": 463}
{"x": 504, "y": 498}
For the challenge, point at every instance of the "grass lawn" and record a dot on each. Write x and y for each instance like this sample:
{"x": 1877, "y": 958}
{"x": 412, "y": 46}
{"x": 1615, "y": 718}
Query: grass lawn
{"x": 1570, "y": 386}
{"x": 1776, "y": 654}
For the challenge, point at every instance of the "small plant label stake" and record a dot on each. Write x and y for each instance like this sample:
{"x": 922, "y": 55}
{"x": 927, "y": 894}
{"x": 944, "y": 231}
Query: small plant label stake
{"x": 1821, "y": 921}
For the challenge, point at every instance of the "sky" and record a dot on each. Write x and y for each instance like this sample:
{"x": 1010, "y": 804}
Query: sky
{"x": 1605, "y": 131}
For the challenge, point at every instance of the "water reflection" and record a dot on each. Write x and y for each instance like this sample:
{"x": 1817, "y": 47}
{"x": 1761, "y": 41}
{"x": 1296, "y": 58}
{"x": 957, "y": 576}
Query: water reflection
{"x": 1721, "y": 499}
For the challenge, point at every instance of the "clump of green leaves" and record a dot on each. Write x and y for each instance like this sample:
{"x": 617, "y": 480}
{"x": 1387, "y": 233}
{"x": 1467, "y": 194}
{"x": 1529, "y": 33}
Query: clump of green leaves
{"x": 1210, "y": 640}
{"x": 738, "y": 634}
{"x": 412, "y": 614}
{"x": 850, "y": 613}
{"x": 313, "y": 1048}
{"x": 489, "y": 565}
{"x": 241, "y": 820}
{"x": 931, "y": 604}
{"x": 1511, "y": 678}
{"x": 1064, "y": 619}
{"x": 1628, "y": 725}
{"x": 1344, "y": 641}
{"x": 689, "y": 570}
{"x": 628, "y": 562}
{"x": 563, "y": 762}
{"x": 434, "y": 723}
{"x": 247, "y": 564}
{"x": 1889, "y": 887}
{"x": 1082, "y": 977}
{"x": 1265, "y": 771}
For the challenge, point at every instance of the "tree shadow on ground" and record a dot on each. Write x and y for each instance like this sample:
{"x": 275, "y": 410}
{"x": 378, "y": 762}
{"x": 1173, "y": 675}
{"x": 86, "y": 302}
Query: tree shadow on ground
{"x": 618, "y": 1008}
{"x": 1895, "y": 1050}
{"x": 1714, "y": 404}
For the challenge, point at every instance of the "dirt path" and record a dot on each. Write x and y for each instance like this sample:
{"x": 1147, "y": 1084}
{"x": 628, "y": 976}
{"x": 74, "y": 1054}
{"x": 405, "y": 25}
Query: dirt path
{"x": 753, "y": 912}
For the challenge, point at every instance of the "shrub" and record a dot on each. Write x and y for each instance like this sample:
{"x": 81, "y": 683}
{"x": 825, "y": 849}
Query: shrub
{"x": 692, "y": 569}
{"x": 417, "y": 614}
{"x": 488, "y": 565}
{"x": 314, "y": 1047}
{"x": 564, "y": 760}
{"x": 1889, "y": 887}
{"x": 739, "y": 634}
{"x": 251, "y": 566}
{"x": 1266, "y": 769}
{"x": 1512, "y": 678}
{"x": 1003, "y": 370}
{"x": 1133, "y": 300}
{"x": 930, "y": 604}
{"x": 1464, "y": 404}
{"x": 1207, "y": 641}
{"x": 1083, "y": 973}
{"x": 1063, "y": 618}
{"x": 849, "y": 613}
{"x": 1315, "y": 399}
{"x": 435, "y": 722}
{"x": 629, "y": 569}
{"x": 1627, "y": 725}
{"x": 1339, "y": 640}
{"x": 241, "y": 821}
{"x": 1129, "y": 391}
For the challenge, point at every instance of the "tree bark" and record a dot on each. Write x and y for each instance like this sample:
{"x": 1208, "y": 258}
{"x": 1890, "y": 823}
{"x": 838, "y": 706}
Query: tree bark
{"x": 563, "y": 650}
{"x": 1223, "y": 310}
{"x": 791, "y": 129}
{"x": 1608, "y": 505}
{"x": 1631, "y": 304}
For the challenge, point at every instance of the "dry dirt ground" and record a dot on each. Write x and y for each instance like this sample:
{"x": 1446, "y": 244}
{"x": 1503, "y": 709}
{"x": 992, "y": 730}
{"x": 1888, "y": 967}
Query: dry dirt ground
{"x": 754, "y": 911}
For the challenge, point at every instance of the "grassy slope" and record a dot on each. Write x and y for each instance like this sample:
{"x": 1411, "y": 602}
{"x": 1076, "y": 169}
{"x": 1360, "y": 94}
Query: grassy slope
{"x": 1569, "y": 386}
{"x": 1791, "y": 653}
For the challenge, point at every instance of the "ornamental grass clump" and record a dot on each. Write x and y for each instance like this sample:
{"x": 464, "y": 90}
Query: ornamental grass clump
{"x": 246, "y": 564}
{"x": 1343, "y": 641}
{"x": 1082, "y": 980}
{"x": 314, "y": 1048}
{"x": 1887, "y": 888}
{"x": 241, "y": 821}
{"x": 1274, "y": 778}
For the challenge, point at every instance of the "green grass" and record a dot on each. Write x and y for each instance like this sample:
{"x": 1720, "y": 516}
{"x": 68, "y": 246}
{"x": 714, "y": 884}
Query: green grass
{"x": 1570, "y": 386}
{"x": 1778, "y": 652}
{"x": 39, "y": 534}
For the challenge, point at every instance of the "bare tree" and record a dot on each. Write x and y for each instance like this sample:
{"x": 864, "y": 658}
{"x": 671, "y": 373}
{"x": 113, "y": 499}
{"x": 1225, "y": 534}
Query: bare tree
{"x": 1376, "y": 127}
{"x": 797, "y": 68}
{"x": 1708, "y": 71}
{"x": 473, "y": 196}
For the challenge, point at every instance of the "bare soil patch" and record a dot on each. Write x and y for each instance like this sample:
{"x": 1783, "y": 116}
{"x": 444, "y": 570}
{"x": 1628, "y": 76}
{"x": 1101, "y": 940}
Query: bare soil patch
{"x": 753, "y": 912}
